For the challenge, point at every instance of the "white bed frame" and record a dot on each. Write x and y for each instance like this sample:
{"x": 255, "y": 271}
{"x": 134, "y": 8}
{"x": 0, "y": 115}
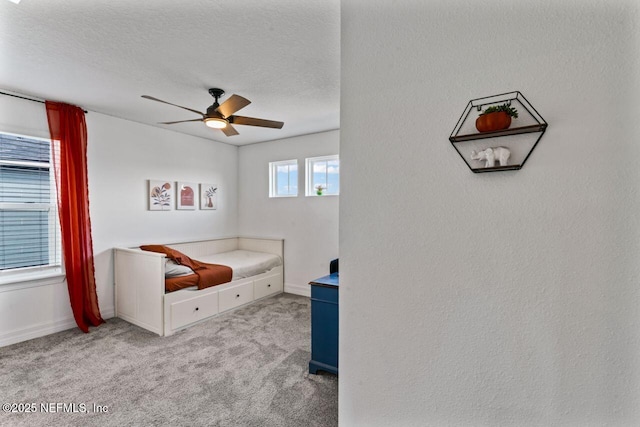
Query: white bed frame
{"x": 140, "y": 291}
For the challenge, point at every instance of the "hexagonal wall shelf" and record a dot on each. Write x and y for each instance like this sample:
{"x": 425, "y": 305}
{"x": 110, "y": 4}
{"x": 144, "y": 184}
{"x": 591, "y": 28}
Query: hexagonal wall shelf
{"x": 498, "y": 150}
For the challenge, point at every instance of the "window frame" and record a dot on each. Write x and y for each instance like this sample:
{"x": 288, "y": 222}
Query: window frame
{"x": 54, "y": 271}
{"x": 310, "y": 190}
{"x": 273, "y": 177}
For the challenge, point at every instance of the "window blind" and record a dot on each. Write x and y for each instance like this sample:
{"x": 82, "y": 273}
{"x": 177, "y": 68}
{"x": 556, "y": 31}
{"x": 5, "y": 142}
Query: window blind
{"x": 29, "y": 230}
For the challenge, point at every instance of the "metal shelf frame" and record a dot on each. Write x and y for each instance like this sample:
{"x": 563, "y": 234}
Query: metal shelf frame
{"x": 464, "y": 132}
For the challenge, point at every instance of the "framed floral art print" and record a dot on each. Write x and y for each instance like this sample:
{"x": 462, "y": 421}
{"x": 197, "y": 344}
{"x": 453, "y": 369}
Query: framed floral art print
{"x": 160, "y": 195}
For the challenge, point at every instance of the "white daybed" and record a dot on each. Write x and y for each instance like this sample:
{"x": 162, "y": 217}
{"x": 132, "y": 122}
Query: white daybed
{"x": 140, "y": 284}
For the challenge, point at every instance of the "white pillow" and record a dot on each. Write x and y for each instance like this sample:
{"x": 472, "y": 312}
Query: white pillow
{"x": 173, "y": 269}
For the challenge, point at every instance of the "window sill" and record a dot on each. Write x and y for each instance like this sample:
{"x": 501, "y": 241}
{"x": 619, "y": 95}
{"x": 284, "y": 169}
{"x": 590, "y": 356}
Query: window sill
{"x": 13, "y": 282}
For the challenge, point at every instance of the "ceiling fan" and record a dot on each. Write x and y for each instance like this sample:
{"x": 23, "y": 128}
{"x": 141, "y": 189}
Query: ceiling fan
{"x": 220, "y": 116}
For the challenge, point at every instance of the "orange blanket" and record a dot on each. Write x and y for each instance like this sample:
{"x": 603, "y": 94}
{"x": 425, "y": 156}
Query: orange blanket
{"x": 208, "y": 274}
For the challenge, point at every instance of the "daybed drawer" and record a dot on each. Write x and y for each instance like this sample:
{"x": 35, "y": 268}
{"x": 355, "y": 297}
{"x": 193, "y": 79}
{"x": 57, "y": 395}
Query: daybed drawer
{"x": 194, "y": 309}
{"x": 236, "y": 296}
{"x": 267, "y": 286}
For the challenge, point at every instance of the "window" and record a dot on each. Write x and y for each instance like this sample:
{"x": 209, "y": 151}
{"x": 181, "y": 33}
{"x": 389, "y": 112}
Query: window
{"x": 323, "y": 176}
{"x": 283, "y": 178}
{"x": 29, "y": 230}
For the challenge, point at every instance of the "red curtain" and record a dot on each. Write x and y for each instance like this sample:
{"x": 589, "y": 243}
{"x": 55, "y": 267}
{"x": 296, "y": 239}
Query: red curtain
{"x": 69, "y": 142}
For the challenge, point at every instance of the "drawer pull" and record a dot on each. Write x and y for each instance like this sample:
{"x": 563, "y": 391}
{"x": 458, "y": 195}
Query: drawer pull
{"x": 269, "y": 285}
{"x": 197, "y": 308}
{"x": 237, "y": 295}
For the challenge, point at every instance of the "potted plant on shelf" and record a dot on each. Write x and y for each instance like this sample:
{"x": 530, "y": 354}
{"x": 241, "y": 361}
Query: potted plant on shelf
{"x": 319, "y": 189}
{"x": 497, "y": 117}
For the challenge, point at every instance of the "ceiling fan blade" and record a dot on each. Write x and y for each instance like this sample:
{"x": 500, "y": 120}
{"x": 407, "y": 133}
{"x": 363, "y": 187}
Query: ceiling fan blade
{"x": 231, "y": 105}
{"x": 175, "y": 105}
{"x": 229, "y": 130}
{"x": 179, "y": 121}
{"x": 251, "y": 121}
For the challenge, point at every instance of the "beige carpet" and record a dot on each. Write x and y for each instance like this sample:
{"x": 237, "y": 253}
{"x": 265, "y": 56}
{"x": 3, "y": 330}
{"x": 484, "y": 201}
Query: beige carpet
{"x": 244, "y": 368}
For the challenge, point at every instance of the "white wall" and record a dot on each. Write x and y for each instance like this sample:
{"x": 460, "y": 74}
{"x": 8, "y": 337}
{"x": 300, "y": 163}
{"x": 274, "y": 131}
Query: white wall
{"x": 309, "y": 225}
{"x": 497, "y": 299}
{"x": 122, "y": 156}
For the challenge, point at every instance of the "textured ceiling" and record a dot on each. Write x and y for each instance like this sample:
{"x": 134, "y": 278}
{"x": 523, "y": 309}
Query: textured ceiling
{"x": 102, "y": 55}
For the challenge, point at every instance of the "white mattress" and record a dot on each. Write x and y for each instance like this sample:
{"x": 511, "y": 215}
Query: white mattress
{"x": 244, "y": 263}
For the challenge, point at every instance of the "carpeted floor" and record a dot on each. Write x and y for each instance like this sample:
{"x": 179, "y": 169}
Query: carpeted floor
{"x": 248, "y": 367}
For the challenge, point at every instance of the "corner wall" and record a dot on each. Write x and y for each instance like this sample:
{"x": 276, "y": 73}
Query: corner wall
{"x": 122, "y": 156}
{"x": 497, "y": 299}
{"x": 309, "y": 225}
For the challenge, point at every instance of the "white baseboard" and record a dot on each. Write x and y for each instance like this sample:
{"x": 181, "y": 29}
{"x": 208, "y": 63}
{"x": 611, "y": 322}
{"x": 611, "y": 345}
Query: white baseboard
{"x": 108, "y": 313}
{"x": 45, "y": 328}
{"x": 293, "y": 288}
{"x": 36, "y": 331}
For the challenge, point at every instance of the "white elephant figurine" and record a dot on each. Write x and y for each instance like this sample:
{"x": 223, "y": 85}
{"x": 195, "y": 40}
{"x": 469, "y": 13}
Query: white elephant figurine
{"x": 492, "y": 154}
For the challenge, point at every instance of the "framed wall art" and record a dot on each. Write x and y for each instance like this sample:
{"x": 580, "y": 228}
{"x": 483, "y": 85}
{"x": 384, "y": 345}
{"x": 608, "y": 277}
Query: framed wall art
{"x": 208, "y": 196}
{"x": 187, "y": 193}
{"x": 160, "y": 195}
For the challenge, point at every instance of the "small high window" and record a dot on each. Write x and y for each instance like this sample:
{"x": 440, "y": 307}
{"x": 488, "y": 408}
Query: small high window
{"x": 323, "y": 176}
{"x": 283, "y": 178}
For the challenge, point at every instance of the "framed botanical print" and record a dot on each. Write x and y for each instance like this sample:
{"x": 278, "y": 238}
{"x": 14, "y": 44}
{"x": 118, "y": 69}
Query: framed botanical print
{"x": 208, "y": 196}
{"x": 160, "y": 195}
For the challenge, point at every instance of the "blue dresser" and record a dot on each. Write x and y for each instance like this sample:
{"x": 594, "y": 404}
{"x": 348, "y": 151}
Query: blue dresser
{"x": 324, "y": 324}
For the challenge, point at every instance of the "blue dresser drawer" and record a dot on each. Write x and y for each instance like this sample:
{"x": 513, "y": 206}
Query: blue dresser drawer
{"x": 325, "y": 293}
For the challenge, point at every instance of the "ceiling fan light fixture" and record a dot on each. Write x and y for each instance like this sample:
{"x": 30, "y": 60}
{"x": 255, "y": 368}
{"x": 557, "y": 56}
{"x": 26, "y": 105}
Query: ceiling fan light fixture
{"x": 221, "y": 116}
{"x": 216, "y": 123}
